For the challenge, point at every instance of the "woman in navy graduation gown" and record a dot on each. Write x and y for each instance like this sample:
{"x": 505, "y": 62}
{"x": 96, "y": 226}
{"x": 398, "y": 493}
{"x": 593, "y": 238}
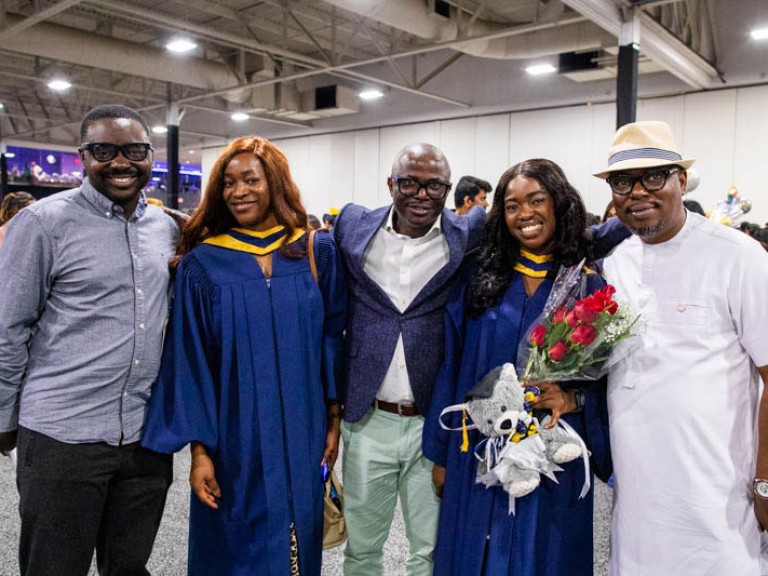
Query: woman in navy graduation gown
{"x": 536, "y": 224}
{"x": 248, "y": 370}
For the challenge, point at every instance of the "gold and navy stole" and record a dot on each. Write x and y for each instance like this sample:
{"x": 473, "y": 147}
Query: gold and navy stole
{"x": 258, "y": 243}
{"x": 533, "y": 265}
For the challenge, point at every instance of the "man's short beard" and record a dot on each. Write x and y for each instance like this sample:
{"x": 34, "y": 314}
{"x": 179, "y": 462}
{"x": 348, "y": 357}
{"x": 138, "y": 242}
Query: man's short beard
{"x": 648, "y": 232}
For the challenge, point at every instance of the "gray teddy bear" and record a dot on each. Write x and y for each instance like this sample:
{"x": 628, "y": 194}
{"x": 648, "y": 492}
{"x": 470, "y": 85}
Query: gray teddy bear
{"x": 518, "y": 448}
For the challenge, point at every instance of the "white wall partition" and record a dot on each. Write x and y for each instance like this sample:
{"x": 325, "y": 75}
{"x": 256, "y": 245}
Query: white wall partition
{"x": 750, "y": 151}
{"x": 727, "y": 131}
{"x": 365, "y": 176}
{"x": 492, "y": 142}
{"x": 565, "y": 136}
{"x": 458, "y": 141}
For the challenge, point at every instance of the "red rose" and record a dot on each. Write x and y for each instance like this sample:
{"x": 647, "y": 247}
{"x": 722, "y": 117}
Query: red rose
{"x": 538, "y": 335}
{"x": 594, "y": 303}
{"x": 559, "y": 315}
{"x": 610, "y": 304}
{"x": 571, "y": 319}
{"x": 584, "y": 335}
{"x": 601, "y": 301}
{"x": 558, "y": 351}
{"x": 584, "y": 314}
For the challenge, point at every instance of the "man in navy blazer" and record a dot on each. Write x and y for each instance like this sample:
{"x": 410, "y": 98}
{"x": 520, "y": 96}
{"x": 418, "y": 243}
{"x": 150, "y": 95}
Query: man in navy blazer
{"x": 401, "y": 261}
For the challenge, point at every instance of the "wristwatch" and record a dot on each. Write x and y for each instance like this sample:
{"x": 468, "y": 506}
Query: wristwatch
{"x": 581, "y": 399}
{"x": 760, "y": 488}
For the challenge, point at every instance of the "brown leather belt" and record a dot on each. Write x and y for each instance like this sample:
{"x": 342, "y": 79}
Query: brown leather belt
{"x": 396, "y": 408}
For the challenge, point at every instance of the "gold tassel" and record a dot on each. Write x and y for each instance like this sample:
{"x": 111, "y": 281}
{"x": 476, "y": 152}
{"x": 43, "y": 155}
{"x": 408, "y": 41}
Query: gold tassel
{"x": 464, "y": 434}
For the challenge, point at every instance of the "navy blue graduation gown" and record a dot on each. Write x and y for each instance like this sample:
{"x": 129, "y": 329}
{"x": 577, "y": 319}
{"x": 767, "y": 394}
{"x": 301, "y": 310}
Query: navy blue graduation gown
{"x": 551, "y": 531}
{"x": 247, "y": 367}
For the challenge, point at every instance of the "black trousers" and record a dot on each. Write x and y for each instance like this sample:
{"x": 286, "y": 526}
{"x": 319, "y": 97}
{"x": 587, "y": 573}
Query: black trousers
{"x": 75, "y": 498}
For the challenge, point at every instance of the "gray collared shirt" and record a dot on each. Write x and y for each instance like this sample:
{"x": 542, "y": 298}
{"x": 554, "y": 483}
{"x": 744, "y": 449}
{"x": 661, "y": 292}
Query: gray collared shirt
{"x": 83, "y": 305}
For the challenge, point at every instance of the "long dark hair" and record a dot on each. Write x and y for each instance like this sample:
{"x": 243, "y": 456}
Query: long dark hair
{"x": 13, "y": 203}
{"x": 500, "y": 250}
{"x": 213, "y": 217}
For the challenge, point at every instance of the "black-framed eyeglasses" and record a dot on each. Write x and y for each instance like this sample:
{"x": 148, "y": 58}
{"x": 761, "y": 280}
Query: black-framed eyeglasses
{"x": 103, "y": 152}
{"x": 653, "y": 180}
{"x": 411, "y": 186}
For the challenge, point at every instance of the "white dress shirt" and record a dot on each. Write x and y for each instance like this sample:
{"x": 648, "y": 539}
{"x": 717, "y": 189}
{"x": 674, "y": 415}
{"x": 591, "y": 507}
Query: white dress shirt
{"x": 402, "y": 266}
{"x": 683, "y": 404}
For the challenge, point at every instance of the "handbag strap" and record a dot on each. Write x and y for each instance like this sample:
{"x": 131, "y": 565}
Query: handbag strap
{"x": 333, "y": 480}
{"x": 311, "y": 249}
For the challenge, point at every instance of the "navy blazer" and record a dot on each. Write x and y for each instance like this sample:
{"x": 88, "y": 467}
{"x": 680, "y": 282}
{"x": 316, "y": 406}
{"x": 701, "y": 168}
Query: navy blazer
{"x": 374, "y": 322}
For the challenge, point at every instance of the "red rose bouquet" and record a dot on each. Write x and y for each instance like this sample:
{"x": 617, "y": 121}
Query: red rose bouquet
{"x": 576, "y": 335}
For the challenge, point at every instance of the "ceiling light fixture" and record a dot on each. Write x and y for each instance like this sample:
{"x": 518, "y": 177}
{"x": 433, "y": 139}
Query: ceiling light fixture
{"x": 540, "y": 69}
{"x": 180, "y": 45}
{"x": 2, "y": 105}
{"x": 59, "y": 84}
{"x": 239, "y": 116}
{"x": 159, "y": 129}
{"x": 759, "y": 34}
{"x": 371, "y": 94}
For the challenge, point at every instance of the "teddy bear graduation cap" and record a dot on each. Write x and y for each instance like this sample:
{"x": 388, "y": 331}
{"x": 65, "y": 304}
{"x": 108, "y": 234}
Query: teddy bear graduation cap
{"x": 516, "y": 449}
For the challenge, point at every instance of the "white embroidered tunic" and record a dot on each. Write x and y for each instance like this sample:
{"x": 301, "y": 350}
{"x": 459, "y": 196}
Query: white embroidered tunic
{"x": 683, "y": 404}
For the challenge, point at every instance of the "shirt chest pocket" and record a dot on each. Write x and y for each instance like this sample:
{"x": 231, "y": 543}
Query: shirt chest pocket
{"x": 686, "y": 311}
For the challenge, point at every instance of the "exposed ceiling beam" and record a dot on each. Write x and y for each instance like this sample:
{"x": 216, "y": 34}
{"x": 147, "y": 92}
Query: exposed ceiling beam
{"x": 65, "y": 125}
{"x": 249, "y": 21}
{"x": 604, "y": 13}
{"x": 20, "y": 102}
{"x": 67, "y": 45}
{"x": 167, "y": 22}
{"x": 309, "y": 35}
{"x": 13, "y": 123}
{"x": 85, "y": 87}
{"x": 322, "y": 67}
{"x": 63, "y": 106}
{"x": 72, "y": 125}
{"x": 10, "y": 114}
{"x": 433, "y": 47}
{"x": 440, "y": 69}
{"x": 383, "y": 51}
{"x": 340, "y": 54}
{"x": 653, "y": 3}
{"x": 655, "y": 41}
{"x": 661, "y": 46}
{"x": 464, "y": 26}
{"x": 182, "y": 130}
{"x": 41, "y": 105}
{"x": 36, "y": 18}
{"x": 291, "y": 123}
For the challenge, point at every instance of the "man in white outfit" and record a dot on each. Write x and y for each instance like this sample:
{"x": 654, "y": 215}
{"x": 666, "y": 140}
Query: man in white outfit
{"x": 689, "y": 421}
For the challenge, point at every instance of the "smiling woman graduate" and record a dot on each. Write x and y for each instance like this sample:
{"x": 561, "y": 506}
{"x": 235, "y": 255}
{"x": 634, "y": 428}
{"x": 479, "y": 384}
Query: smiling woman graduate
{"x": 248, "y": 370}
{"x": 536, "y": 224}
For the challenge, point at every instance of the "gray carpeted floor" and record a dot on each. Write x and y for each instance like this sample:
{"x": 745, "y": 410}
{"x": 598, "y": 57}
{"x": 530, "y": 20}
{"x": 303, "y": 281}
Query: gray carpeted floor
{"x": 169, "y": 556}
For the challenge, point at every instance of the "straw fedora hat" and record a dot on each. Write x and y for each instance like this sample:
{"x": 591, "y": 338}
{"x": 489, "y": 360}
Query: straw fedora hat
{"x": 643, "y": 145}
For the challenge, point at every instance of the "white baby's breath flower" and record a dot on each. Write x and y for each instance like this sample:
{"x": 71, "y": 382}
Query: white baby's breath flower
{"x": 620, "y": 324}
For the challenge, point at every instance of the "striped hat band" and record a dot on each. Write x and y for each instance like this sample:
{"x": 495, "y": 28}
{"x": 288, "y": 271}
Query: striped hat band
{"x": 655, "y": 153}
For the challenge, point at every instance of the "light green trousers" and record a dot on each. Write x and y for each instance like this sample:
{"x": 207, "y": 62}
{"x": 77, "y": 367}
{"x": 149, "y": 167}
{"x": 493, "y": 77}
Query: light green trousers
{"x": 383, "y": 460}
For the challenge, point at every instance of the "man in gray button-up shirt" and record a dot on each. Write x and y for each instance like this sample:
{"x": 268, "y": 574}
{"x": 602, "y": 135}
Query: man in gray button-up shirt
{"x": 83, "y": 303}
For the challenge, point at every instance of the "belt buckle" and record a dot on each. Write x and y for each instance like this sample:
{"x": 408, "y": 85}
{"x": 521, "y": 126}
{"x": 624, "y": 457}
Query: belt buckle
{"x": 401, "y": 405}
